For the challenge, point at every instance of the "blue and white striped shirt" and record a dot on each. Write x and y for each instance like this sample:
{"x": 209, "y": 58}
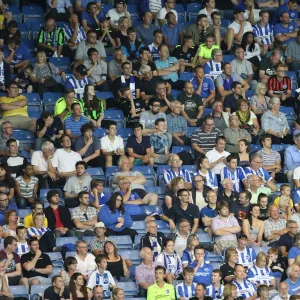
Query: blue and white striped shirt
{"x": 237, "y": 176}
{"x": 184, "y": 291}
{"x": 265, "y": 34}
{"x": 22, "y": 248}
{"x": 215, "y": 293}
{"x": 32, "y": 231}
{"x": 246, "y": 257}
{"x": 77, "y": 85}
{"x": 212, "y": 69}
{"x": 68, "y": 32}
{"x": 245, "y": 289}
{"x": 170, "y": 174}
{"x": 210, "y": 179}
{"x": 261, "y": 172}
{"x": 260, "y": 275}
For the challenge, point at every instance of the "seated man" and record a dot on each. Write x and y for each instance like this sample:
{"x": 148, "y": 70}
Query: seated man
{"x": 132, "y": 46}
{"x": 90, "y": 19}
{"x": 9, "y": 31}
{"x": 119, "y": 10}
{"x": 115, "y": 65}
{"x": 246, "y": 254}
{"x": 161, "y": 15}
{"x": 293, "y": 54}
{"x": 14, "y": 109}
{"x": 157, "y": 41}
{"x": 97, "y": 243}
{"x": 213, "y": 68}
{"x": 60, "y": 11}
{"x": 81, "y": 5}
{"x": 144, "y": 59}
{"x": 286, "y": 241}
{"x": 84, "y": 217}
{"x": 162, "y": 96}
{"x": 241, "y": 208}
{"x": 145, "y": 30}
{"x": 267, "y": 66}
{"x": 181, "y": 235}
{"x": 56, "y": 289}
{"x": 258, "y": 185}
{"x": 5, "y": 206}
{"x": 209, "y": 212}
{"x": 286, "y": 30}
{"x": 221, "y": 118}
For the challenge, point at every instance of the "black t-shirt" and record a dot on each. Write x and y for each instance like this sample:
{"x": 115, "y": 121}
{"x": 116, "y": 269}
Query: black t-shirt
{"x": 23, "y": 82}
{"x": 231, "y": 102}
{"x": 266, "y": 65}
{"x": 226, "y": 271}
{"x": 191, "y": 104}
{"x": 15, "y": 164}
{"x": 123, "y": 38}
{"x": 263, "y": 214}
{"x": 106, "y": 41}
{"x": 186, "y": 56}
{"x": 287, "y": 241}
{"x": 192, "y": 212}
{"x": 163, "y": 102}
{"x": 136, "y": 66}
{"x": 205, "y": 298}
{"x": 223, "y": 197}
{"x": 9, "y": 184}
{"x": 148, "y": 87}
{"x": 4, "y": 35}
{"x": 43, "y": 261}
{"x": 49, "y": 294}
{"x": 240, "y": 212}
{"x": 54, "y": 129}
{"x": 139, "y": 148}
{"x": 117, "y": 85}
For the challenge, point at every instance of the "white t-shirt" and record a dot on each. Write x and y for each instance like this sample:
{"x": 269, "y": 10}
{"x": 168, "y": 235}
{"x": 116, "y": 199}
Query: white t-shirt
{"x": 162, "y": 15}
{"x": 87, "y": 266}
{"x": 204, "y": 11}
{"x": 65, "y": 161}
{"x": 296, "y": 173}
{"x": 39, "y": 161}
{"x": 114, "y": 16}
{"x": 214, "y": 155}
{"x": 236, "y": 27}
{"x": 106, "y": 143}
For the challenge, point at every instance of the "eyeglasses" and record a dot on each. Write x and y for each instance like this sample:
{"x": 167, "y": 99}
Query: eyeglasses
{"x": 156, "y": 105}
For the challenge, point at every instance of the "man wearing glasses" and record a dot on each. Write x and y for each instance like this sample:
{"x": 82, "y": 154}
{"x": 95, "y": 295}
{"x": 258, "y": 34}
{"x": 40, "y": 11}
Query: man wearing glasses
{"x": 5, "y": 206}
{"x": 287, "y": 240}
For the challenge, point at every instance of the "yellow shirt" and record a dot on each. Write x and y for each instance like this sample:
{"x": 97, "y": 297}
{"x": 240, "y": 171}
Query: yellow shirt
{"x": 10, "y": 113}
{"x": 205, "y": 52}
{"x": 28, "y": 222}
{"x": 276, "y": 202}
{"x": 167, "y": 292}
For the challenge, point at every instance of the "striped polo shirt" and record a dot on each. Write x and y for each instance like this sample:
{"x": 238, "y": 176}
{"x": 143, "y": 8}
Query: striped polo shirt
{"x": 74, "y": 126}
{"x": 271, "y": 158}
{"x": 205, "y": 140}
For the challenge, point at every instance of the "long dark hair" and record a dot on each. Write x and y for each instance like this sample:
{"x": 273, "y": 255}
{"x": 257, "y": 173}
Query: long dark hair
{"x": 199, "y": 162}
{"x": 72, "y": 287}
{"x": 7, "y": 173}
{"x": 249, "y": 216}
{"x": 112, "y": 203}
{"x": 244, "y": 42}
{"x": 94, "y": 103}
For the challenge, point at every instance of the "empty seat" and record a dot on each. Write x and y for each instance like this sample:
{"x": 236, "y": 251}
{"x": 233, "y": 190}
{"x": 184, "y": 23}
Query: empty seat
{"x": 122, "y": 241}
{"x": 110, "y": 171}
{"x": 288, "y": 111}
{"x": 137, "y": 241}
{"x": 24, "y": 212}
{"x": 49, "y": 100}
{"x": 139, "y": 226}
{"x": 261, "y": 249}
{"x": 191, "y": 130}
{"x": 280, "y": 147}
{"x": 35, "y": 27}
{"x": 56, "y": 258}
{"x": 62, "y": 63}
{"x": 204, "y": 238}
{"x": 177, "y": 149}
{"x": 32, "y": 12}
{"x": 60, "y": 241}
{"x": 19, "y": 291}
{"x": 129, "y": 288}
{"x": 228, "y": 58}
{"x": 100, "y": 132}
{"x": 162, "y": 226}
{"x": 151, "y": 210}
{"x": 133, "y": 255}
{"x": 255, "y": 148}
{"x": 96, "y": 173}
{"x": 159, "y": 190}
{"x": 43, "y": 192}
{"x": 56, "y": 271}
{"x": 186, "y": 76}
{"x": 115, "y": 115}
{"x": 25, "y": 137}
{"x": 71, "y": 254}
{"x": 37, "y": 290}
{"x": 192, "y": 11}
{"x": 15, "y": 13}
{"x": 34, "y": 114}
{"x": 24, "y": 29}
{"x": 207, "y": 111}
{"x": 160, "y": 174}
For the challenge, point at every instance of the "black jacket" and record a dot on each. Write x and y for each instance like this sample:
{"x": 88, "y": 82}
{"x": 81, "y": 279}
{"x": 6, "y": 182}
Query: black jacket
{"x": 64, "y": 214}
{"x": 145, "y": 241}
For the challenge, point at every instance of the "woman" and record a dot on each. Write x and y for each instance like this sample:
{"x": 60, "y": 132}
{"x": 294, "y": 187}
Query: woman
{"x": 43, "y": 76}
{"x": 188, "y": 255}
{"x": 295, "y": 250}
{"x": 285, "y": 210}
{"x": 244, "y": 153}
{"x": 253, "y": 228}
{"x": 170, "y": 260}
{"x": 7, "y": 183}
{"x": 70, "y": 266}
{"x": 210, "y": 179}
{"x": 247, "y": 118}
{"x": 251, "y": 48}
{"x": 231, "y": 256}
{"x": 275, "y": 123}
{"x": 88, "y": 146}
{"x": 11, "y": 221}
{"x": 116, "y": 263}
{"x": 5, "y": 293}
{"x": 118, "y": 294}
{"x": 230, "y": 291}
{"x": 263, "y": 292}
{"x": 171, "y": 198}
{"x": 117, "y": 221}
{"x": 262, "y": 201}
{"x": 261, "y": 267}
{"x": 78, "y": 290}
{"x": 259, "y": 101}
{"x": 93, "y": 107}
{"x": 234, "y": 133}
{"x": 121, "y": 35}
{"x": 26, "y": 187}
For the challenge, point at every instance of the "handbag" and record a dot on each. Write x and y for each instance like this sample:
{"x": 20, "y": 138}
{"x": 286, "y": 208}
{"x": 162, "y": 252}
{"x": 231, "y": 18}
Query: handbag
{"x": 50, "y": 81}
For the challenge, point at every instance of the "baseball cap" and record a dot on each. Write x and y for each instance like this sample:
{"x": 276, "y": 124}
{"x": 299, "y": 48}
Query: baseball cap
{"x": 99, "y": 225}
{"x": 237, "y": 11}
{"x": 81, "y": 69}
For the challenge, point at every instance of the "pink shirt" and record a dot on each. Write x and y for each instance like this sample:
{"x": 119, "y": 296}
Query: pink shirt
{"x": 218, "y": 223}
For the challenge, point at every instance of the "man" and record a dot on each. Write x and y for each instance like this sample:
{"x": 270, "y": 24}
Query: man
{"x": 185, "y": 210}
{"x": 227, "y": 194}
{"x": 132, "y": 46}
{"x": 208, "y": 212}
{"x": 287, "y": 240}
{"x": 275, "y": 227}
{"x": 90, "y": 19}
{"x": 51, "y": 38}
{"x": 96, "y": 70}
{"x": 119, "y": 10}
{"x": 283, "y": 290}
{"x": 81, "y": 5}
{"x": 209, "y": 8}
{"x": 84, "y": 217}
{"x": 225, "y": 227}
{"x": 36, "y": 266}
{"x": 213, "y": 68}
{"x": 191, "y": 104}
{"x": 217, "y": 29}
{"x": 145, "y": 272}
{"x": 5, "y": 77}
{"x": 292, "y": 159}
{"x": 97, "y": 243}
{"x": 59, "y": 10}
{"x": 200, "y": 292}
{"x": 16, "y": 55}
{"x": 181, "y": 236}
{"x": 240, "y": 209}
{"x": 90, "y": 42}
{"x": 237, "y": 29}
{"x": 144, "y": 60}
{"x": 78, "y": 81}
{"x": 246, "y": 254}
{"x": 223, "y": 81}
{"x": 63, "y": 105}
{"x": 217, "y": 156}
{"x": 203, "y": 86}
{"x": 97, "y": 292}
{"x": 8, "y": 32}
{"x": 105, "y": 35}
{"x": 172, "y": 31}
{"x": 291, "y": 7}
{"x": 263, "y": 32}
{"x": 177, "y": 125}
{"x": 74, "y": 123}
{"x": 157, "y": 41}
{"x": 162, "y": 96}
{"x": 11, "y": 260}
{"x": 203, "y": 138}
{"x": 293, "y": 53}
{"x": 293, "y": 281}
{"x": 139, "y": 147}
{"x": 115, "y": 65}
{"x": 5, "y": 206}
{"x": 126, "y": 80}
{"x": 267, "y": 66}
{"x": 216, "y": 288}
{"x": 112, "y": 146}
{"x": 14, "y": 108}
{"x": 144, "y": 31}
{"x": 153, "y": 239}
{"x": 161, "y": 15}
{"x": 57, "y": 290}
{"x": 59, "y": 217}
{"x": 161, "y": 289}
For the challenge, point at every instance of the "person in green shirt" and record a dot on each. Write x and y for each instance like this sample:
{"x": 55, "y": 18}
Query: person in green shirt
{"x": 160, "y": 289}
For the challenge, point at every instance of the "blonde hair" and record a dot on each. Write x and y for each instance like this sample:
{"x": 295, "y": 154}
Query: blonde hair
{"x": 259, "y": 86}
{"x": 228, "y": 290}
{"x": 115, "y": 293}
{"x": 175, "y": 181}
{"x": 282, "y": 200}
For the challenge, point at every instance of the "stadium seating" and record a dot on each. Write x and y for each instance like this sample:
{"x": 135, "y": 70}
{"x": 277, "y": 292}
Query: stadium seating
{"x": 60, "y": 241}
{"x": 129, "y": 288}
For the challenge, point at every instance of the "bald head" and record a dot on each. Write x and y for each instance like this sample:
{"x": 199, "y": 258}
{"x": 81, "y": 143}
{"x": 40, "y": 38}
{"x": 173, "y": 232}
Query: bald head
{"x": 151, "y": 227}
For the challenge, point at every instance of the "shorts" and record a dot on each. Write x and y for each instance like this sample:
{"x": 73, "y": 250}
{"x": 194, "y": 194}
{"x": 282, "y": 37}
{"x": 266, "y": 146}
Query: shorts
{"x": 43, "y": 280}
{"x": 19, "y": 121}
{"x": 138, "y": 162}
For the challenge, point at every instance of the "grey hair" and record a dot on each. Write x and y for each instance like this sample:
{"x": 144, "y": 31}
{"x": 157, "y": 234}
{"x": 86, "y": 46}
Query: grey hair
{"x": 289, "y": 270}
{"x": 47, "y": 146}
{"x": 225, "y": 180}
{"x": 215, "y": 52}
{"x": 4, "y": 123}
{"x": 121, "y": 160}
{"x": 273, "y": 101}
{"x": 144, "y": 69}
{"x": 173, "y": 103}
{"x": 255, "y": 155}
{"x": 259, "y": 86}
{"x": 142, "y": 252}
{"x": 80, "y": 242}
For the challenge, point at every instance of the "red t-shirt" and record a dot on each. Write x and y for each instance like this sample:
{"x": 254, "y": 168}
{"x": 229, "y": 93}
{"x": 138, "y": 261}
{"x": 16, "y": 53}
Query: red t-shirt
{"x": 58, "y": 223}
{"x": 279, "y": 87}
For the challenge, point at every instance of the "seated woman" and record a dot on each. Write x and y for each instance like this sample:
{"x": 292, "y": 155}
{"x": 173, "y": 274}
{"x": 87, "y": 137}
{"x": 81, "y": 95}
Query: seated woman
{"x": 170, "y": 260}
{"x": 171, "y": 198}
{"x": 244, "y": 153}
{"x": 88, "y": 146}
{"x": 4, "y": 288}
{"x": 230, "y": 292}
{"x": 234, "y": 133}
{"x": 70, "y": 266}
{"x": 116, "y": 219}
{"x": 118, "y": 294}
{"x": 97, "y": 196}
{"x": 77, "y": 287}
{"x": 11, "y": 221}
{"x": 23, "y": 80}
{"x": 285, "y": 210}
{"x": 251, "y": 48}
{"x": 275, "y": 123}
{"x": 259, "y": 101}
{"x": 188, "y": 255}
{"x": 7, "y": 183}
{"x": 260, "y": 273}
{"x": 116, "y": 264}
{"x": 200, "y": 191}
{"x": 26, "y": 187}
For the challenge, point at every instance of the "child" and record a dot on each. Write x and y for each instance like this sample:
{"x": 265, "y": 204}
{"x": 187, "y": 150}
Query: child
{"x": 215, "y": 290}
{"x": 277, "y": 264}
{"x": 23, "y": 80}
{"x": 101, "y": 276}
{"x": 285, "y": 190}
{"x": 186, "y": 289}
{"x": 22, "y": 246}
{"x": 170, "y": 260}
{"x": 262, "y": 201}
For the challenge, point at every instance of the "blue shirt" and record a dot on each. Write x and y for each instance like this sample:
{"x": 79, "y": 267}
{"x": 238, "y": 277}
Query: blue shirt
{"x": 21, "y": 54}
{"x": 103, "y": 198}
{"x": 279, "y": 28}
{"x": 132, "y": 48}
{"x": 294, "y": 252}
{"x": 169, "y": 62}
{"x": 284, "y": 8}
{"x": 77, "y": 85}
{"x": 207, "y": 86}
{"x": 74, "y": 126}
{"x": 2, "y": 212}
{"x": 90, "y": 20}
{"x": 203, "y": 274}
{"x": 237, "y": 176}
{"x": 294, "y": 288}
{"x": 84, "y": 3}
{"x": 172, "y": 33}
{"x": 208, "y": 212}
{"x": 261, "y": 172}
{"x": 132, "y": 209}
{"x": 291, "y": 158}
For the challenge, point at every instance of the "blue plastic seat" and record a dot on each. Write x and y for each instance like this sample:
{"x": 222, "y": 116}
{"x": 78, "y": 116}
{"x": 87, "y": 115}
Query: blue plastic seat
{"x": 100, "y": 132}
{"x": 225, "y": 23}
{"x": 180, "y": 13}
{"x": 43, "y": 192}
{"x": 160, "y": 174}
{"x": 15, "y": 13}
{"x": 56, "y": 259}
{"x": 137, "y": 241}
{"x": 124, "y": 133}
{"x": 25, "y": 137}
{"x": 162, "y": 226}
{"x": 280, "y": 147}
{"x": 261, "y": 249}
{"x": 148, "y": 172}
{"x": 66, "y": 240}
{"x": 133, "y": 255}
{"x": 24, "y": 212}
{"x": 71, "y": 254}
{"x": 104, "y": 95}
{"x": 56, "y": 271}
{"x": 190, "y": 168}
{"x": 24, "y": 30}
{"x": 228, "y": 58}
{"x": 106, "y": 8}
{"x": 186, "y": 76}
{"x": 204, "y": 238}
{"x": 19, "y": 291}
{"x": 62, "y": 63}
{"x": 34, "y": 114}
{"x": 34, "y": 102}
{"x": 122, "y": 241}
{"x": 49, "y": 100}
{"x": 288, "y": 111}
{"x": 96, "y": 173}
{"x": 175, "y": 93}
{"x": 255, "y": 148}
{"x": 207, "y": 111}
{"x": 249, "y": 94}
{"x": 191, "y": 130}
{"x": 139, "y": 226}
{"x": 151, "y": 209}
{"x": 32, "y": 12}
{"x": 177, "y": 149}
{"x": 115, "y": 115}
{"x": 192, "y": 11}
{"x": 129, "y": 288}
{"x": 88, "y": 238}
{"x": 37, "y": 289}
{"x": 110, "y": 171}
{"x": 226, "y": 14}
{"x": 35, "y": 27}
